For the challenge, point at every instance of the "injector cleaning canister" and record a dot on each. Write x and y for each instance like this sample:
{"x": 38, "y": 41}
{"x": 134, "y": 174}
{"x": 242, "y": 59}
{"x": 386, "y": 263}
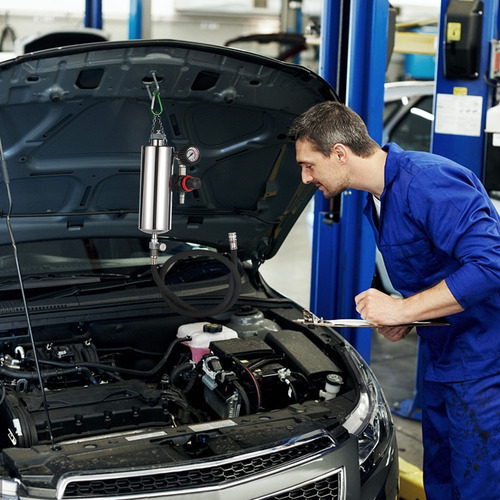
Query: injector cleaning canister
{"x": 155, "y": 207}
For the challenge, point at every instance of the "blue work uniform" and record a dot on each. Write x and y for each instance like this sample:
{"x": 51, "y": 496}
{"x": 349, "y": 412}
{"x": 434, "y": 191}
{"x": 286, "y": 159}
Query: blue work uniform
{"x": 438, "y": 223}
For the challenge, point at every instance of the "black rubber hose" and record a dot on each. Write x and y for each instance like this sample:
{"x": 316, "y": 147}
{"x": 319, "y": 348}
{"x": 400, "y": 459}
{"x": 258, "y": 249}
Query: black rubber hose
{"x": 183, "y": 308}
{"x": 184, "y": 367}
{"x": 117, "y": 369}
{"x": 34, "y": 377}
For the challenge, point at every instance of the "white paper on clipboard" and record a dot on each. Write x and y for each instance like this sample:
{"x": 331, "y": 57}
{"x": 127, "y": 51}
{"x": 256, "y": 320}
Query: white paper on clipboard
{"x": 360, "y": 323}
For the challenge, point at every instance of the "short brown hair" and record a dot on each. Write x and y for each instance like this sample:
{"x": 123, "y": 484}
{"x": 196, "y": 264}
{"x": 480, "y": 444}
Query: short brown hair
{"x": 328, "y": 123}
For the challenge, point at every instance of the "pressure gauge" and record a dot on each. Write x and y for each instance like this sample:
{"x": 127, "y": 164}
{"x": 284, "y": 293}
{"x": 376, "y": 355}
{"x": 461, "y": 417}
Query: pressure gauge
{"x": 189, "y": 155}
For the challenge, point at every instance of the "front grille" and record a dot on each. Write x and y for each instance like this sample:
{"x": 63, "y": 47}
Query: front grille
{"x": 327, "y": 488}
{"x": 196, "y": 475}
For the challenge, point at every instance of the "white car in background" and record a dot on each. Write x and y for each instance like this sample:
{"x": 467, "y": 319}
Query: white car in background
{"x": 408, "y": 114}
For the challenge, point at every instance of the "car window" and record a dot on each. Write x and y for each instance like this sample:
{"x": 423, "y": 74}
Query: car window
{"x": 390, "y": 108}
{"x": 414, "y": 130}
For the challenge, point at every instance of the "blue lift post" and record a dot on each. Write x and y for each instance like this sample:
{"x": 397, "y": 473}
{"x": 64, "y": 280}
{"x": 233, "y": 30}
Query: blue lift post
{"x": 93, "y": 14}
{"x": 135, "y": 20}
{"x": 468, "y": 150}
{"x": 353, "y": 60}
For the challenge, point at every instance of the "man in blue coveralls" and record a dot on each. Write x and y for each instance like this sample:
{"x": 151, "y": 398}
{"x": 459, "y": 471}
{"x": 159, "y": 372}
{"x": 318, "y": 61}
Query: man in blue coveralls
{"x": 439, "y": 235}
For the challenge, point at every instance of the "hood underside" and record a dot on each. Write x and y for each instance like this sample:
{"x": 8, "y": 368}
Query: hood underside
{"x": 73, "y": 120}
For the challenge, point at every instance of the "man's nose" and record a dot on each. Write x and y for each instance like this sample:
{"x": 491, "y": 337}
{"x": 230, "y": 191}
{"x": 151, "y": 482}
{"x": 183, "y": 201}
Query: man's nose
{"x": 306, "y": 176}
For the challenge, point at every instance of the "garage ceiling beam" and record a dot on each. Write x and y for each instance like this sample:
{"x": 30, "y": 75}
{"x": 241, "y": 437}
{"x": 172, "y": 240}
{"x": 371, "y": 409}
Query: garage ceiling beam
{"x": 409, "y": 42}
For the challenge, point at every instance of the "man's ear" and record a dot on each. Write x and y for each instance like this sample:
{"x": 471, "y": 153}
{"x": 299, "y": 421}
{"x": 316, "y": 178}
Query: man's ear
{"x": 339, "y": 152}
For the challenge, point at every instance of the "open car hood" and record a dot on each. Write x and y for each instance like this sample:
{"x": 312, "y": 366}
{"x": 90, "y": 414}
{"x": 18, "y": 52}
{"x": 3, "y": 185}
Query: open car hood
{"x": 73, "y": 120}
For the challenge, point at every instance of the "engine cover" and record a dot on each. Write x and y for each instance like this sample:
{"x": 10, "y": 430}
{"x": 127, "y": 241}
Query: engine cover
{"x": 83, "y": 411}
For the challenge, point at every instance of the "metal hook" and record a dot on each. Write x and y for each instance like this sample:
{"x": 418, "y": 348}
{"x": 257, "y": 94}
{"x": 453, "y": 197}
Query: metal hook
{"x": 154, "y": 95}
{"x": 157, "y": 89}
{"x": 153, "y": 74}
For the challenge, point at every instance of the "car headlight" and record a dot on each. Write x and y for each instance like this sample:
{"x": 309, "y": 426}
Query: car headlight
{"x": 371, "y": 420}
{"x": 9, "y": 489}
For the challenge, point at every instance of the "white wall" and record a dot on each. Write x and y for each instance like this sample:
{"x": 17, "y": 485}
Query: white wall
{"x": 187, "y": 22}
{"x": 207, "y": 21}
{"x": 193, "y": 19}
{"x": 417, "y": 10}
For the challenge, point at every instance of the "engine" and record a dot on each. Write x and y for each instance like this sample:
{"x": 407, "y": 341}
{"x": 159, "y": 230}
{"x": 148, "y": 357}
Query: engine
{"x": 208, "y": 371}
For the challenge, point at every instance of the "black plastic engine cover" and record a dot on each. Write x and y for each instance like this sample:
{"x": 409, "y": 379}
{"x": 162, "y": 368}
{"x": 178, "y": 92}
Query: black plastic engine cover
{"x": 81, "y": 411}
{"x": 301, "y": 352}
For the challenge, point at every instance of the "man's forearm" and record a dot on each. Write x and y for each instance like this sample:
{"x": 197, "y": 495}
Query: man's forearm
{"x": 381, "y": 309}
{"x": 432, "y": 303}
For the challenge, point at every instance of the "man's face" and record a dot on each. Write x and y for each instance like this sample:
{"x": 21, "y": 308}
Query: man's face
{"x": 326, "y": 172}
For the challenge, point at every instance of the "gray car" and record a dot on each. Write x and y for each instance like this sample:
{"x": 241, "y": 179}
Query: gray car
{"x": 142, "y": 353}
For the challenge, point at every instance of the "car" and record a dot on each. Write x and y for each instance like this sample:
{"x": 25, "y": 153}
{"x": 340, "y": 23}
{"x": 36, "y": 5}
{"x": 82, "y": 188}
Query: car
{"x": 143, "y": 355}
{"x": 35, "y": 42}
{"x": 408, "y": 114}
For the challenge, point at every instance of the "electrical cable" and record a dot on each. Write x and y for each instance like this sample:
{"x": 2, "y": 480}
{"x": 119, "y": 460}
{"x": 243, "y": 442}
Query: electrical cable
{"x": 244, "y": 397}
{"x": 252, "y": 378}
{"x": 5, "y": 174}
{"x": 490, "y": 82}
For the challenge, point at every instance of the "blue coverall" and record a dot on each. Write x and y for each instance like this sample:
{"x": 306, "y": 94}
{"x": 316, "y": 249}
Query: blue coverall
{"x": 437, "y": 222}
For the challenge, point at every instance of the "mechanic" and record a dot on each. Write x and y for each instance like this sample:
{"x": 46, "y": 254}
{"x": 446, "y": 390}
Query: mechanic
{"x": 439, "y": 235}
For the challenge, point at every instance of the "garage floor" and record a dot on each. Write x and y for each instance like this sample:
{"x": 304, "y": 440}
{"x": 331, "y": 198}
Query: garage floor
{"x": 394, "y": 364}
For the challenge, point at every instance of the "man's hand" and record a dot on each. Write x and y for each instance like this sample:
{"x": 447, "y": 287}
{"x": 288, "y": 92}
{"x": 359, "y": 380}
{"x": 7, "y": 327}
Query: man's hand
{"x": 394, "y": 333}
{"x": 380, "y": 309}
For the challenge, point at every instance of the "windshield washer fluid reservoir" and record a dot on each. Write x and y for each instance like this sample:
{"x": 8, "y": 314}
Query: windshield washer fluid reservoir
{"x": 202, "y": 334}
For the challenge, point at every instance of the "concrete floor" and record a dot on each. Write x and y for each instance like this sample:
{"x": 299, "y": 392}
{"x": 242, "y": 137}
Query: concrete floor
{"x": 394, "y": 364}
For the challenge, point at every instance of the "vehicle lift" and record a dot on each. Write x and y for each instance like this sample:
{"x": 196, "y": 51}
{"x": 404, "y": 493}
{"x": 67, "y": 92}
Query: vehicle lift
{"x": 353, "y": 59}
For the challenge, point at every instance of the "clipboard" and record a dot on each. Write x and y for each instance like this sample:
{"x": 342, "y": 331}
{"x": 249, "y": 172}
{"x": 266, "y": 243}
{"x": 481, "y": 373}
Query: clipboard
{"x": 310, "y": 319}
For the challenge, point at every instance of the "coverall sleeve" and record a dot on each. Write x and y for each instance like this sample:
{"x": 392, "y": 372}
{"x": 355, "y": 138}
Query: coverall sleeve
{"x": 458, "y": 217}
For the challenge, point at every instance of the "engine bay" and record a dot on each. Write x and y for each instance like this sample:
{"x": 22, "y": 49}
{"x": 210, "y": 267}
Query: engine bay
{"x": 113, "y": 377}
